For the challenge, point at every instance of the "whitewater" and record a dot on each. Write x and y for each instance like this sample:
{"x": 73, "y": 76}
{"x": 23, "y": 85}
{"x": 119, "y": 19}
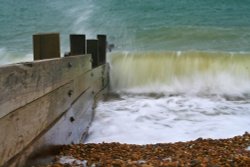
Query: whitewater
{"x": 174, "y": 96}
{"x": 180, "y": 70}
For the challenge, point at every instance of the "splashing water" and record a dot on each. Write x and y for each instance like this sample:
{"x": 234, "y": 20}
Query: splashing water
{"x": 174, "y": 96}
{"x": 141, "y": 119}
{"x": 193, "y": 72}
{"x": 185, "y": 73}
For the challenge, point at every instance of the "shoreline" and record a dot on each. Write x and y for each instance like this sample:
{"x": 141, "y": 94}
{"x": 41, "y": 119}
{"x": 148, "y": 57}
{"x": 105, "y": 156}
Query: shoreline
{"x": 200, "y": 152}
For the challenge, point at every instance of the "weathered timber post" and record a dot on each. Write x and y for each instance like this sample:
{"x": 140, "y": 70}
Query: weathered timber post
{"x": 92, "y": 48}
{"x": 102, "y": 40}
{"x": 77, "y": 44}
{"x": 46, "y": 46}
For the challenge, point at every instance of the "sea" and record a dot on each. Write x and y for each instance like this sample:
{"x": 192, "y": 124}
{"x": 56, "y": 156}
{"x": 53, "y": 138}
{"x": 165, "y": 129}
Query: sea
{"x": 180, "y": 70}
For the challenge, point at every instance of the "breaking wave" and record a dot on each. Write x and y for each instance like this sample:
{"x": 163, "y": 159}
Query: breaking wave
{"x": 191, "y": 72}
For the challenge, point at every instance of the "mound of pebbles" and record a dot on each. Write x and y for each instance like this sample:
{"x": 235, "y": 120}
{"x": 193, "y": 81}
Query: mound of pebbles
{"x": 233, "y": 152}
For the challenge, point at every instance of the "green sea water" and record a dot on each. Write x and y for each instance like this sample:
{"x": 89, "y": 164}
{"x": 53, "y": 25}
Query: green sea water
{"x": 218, "y": 25}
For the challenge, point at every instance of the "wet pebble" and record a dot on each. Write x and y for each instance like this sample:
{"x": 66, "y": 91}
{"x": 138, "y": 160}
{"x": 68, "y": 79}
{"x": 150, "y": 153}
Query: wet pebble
{"x": 201, "y": 152}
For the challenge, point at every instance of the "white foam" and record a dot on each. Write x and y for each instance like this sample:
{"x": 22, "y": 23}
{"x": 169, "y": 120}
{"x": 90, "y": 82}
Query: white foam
{"x": 144, "y": 119}
{"x": 7, "y": 57}
{"x": 178, "y": 53}
{"x": 192, "y": 73}
{"x": 72, "y": 161}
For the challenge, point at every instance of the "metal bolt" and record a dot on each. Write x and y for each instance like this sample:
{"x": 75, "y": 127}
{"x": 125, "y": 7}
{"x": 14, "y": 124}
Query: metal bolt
{"x": 70, "y": 93}
{"x": 72, "y": 119}
{"x": 70, "y": 64}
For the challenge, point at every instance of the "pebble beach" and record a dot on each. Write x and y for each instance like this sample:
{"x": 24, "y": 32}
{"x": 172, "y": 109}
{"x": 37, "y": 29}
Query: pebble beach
{"x": 178, "y": 81}
{"x": 231, "y": 152}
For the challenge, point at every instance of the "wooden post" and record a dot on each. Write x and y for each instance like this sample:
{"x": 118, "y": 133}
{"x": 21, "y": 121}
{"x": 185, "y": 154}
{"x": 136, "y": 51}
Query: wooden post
{"x": 46, "y": 46}
{"x": 92, "y": 48}
{"x": 77, "y": 44}
{"x": 102, "y": 48}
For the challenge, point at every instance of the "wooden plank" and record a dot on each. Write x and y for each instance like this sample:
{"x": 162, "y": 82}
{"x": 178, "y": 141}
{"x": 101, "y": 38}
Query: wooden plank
{"x": 72, "y": 127}
{"x": 92, "y": 48}
{"x": 22, "y": 126}
{"x": 102, "y": 41}
{"x": 100, "y": 82}
{"x": 77, "y": 44}
{"x": 105, "y": 77}
{"x": 46, "y": 46}
{"x": 75, "y": 122}
{"x": 23, "y": 83}
{"x": 99, "y": 78}
{"x": 81, "y": 83}
{"x": 26, "y": 123}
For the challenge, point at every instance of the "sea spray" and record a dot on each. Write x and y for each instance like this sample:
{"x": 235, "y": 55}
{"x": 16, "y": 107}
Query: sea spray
{"x": 174, "y": 96}
{"x": 8, "y": 57}
{"x": 191, "y": 72}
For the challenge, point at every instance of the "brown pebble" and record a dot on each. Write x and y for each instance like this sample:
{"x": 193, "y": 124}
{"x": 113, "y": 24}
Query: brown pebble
{"x": 197, "y": 153}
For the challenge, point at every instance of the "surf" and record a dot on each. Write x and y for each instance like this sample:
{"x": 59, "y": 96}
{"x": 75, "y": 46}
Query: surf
{"x": 188, "y": 72}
